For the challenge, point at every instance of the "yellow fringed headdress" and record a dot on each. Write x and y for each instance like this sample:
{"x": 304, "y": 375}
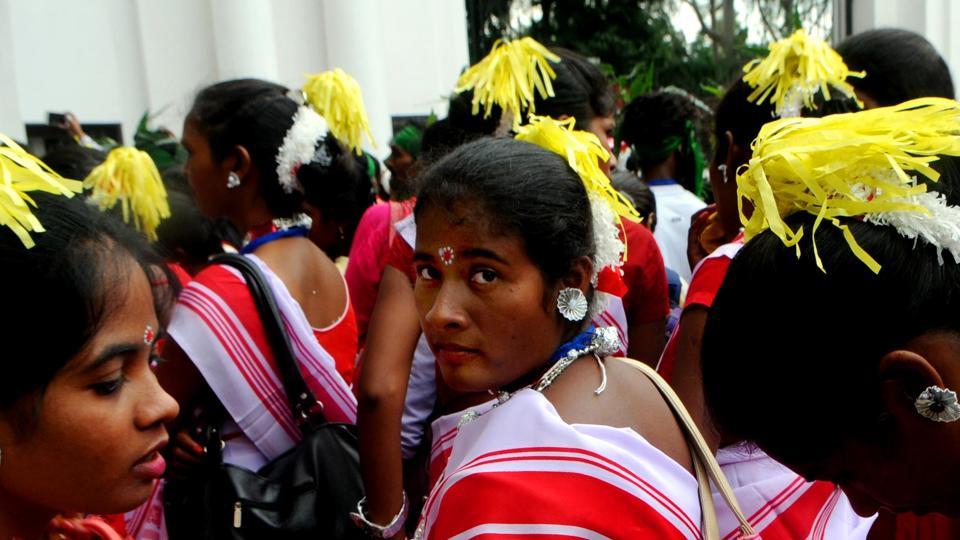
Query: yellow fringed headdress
{"x": 336, "y": 96}
{"x": 584, "y": 153}
{"x": 509, "y": 76}
{"x": 794, "y": 71}
{"x": 130, "y": 177}
{"x": 855, "y": 165}
{"x": 21, "y": 174}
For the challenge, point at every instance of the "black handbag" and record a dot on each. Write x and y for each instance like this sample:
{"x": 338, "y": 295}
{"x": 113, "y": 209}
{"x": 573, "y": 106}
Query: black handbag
{"x": 308, "y": 492}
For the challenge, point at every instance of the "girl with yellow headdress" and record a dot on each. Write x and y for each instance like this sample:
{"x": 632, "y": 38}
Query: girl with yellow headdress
{"x": 82, "y": 418}
{"x": 571, "y": 90}
{"x": 506, "y": 260}
{"x": 757, "y": 479}
{"x": 841, "y": 309}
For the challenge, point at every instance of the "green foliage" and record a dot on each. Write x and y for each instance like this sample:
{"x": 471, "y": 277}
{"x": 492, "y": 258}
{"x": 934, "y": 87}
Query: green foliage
{"x": 636, "y": 41}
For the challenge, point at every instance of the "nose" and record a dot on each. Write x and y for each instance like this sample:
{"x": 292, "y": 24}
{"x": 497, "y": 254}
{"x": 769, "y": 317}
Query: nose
{"x": 447, "y": 312}
{"x": 155, "y": 405}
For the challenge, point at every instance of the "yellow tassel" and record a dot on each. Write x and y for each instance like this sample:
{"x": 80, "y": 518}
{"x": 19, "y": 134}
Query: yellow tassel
{"x": 130, "y": 177}
{"x": 509, "y": 76}
{"x": 583, "y": 152}
{"x": 825, "y": 166}
{"x": 336, "y": 96}
{"x": 796, "y": 68}
{"x": 21, "y": 173}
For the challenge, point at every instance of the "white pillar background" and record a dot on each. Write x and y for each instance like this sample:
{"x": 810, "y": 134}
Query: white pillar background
{"x": 111, "y": 60}
{"x": 354, "y": 40}
{"x": 934, "y": 19}
{"x": 243, "y": 39}
{"x": 10, "y": 119}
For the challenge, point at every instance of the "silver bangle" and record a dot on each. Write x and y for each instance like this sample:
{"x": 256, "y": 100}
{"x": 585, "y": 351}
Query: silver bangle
{"x": 380, "y": 531}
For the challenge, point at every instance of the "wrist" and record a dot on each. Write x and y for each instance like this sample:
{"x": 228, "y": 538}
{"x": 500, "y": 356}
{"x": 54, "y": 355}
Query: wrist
{"x": 360, "y": 519}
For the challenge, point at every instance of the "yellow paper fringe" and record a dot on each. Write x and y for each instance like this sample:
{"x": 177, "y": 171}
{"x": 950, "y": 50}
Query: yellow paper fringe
{"x": 21, "y": 173}
{"x": 824, "y": 166}
{"x": 508, "y": 77}
{"x": 800, "y": 64}
{"x": 336, "y": 96}
{"x": 583, "y": 152}
{"x": 130, "y": 177}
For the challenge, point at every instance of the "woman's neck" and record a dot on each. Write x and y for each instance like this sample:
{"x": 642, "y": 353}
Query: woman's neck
{"x": 22, "y": 520}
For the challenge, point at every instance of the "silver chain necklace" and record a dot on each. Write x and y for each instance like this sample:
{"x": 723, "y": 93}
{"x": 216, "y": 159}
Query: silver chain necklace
{"x": 605, "y": 342}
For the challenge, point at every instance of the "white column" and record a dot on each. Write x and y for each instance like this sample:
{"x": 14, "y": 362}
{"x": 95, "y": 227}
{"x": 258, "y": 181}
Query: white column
{"x": 243, "y": 39}
{"x": 353, "y": 31}
{"x": 11, "y": 121}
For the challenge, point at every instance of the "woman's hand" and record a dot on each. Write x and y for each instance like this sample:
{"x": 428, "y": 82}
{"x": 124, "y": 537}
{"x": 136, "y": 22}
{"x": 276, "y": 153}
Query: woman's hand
{"x": 186, "y": 455}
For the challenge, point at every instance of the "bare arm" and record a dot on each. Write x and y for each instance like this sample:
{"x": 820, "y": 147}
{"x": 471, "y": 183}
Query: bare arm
{"x": 382, "y": 388}
{"x": 687, "y": 378}
{"x": 647, "y": 341}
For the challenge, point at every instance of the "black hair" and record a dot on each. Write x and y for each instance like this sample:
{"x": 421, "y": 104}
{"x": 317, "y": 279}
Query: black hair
{"x": 743, "y": 118}
{"x": 62, "y": 290}
{"x": 638, "y": 192}
{"x": 520, "y": 189}
{"x": 74, "y": 161}
{"x": 790, "y": 352}
{"x": 649, "y": 120}
{"x": 900, "y": 65}
{"x": 339, "y": 190}
{"x": 257, "y": 114}
{"x": 582, "y": 91}
{"x": 187, "y": 236}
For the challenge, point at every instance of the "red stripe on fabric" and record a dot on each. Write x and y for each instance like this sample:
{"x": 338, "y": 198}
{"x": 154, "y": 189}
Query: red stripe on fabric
{"x": 539, "y": 453}
{"x": 258, "y": 382}
{"x": 445, "y": 438}
{"x": 768, "y": 507}
{"x": 798, "y": 519}
{"x": 331, "y": 384}
{"x": 823, "y": 520}
{"x": 243, "y": 358}
{"x": 437, "y": 465}
{"x": 555, "y": 498}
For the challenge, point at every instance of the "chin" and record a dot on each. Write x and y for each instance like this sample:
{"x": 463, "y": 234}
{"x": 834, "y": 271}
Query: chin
{"x": 461, "y": 380}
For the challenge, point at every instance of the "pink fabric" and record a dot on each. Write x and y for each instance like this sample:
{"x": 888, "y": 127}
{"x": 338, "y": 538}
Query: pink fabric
{"x": 368, "y": 256}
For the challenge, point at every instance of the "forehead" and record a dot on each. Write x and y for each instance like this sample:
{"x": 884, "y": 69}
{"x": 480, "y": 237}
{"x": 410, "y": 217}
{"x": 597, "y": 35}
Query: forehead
{"x": 128, "y": 309}
{"x": 463, "y": 225}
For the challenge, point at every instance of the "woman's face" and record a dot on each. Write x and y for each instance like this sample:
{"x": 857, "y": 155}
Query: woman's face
{"x": 484, "y": 307}
{"x": 94, "y": 444}
{"x": 207, "y": 177}
{"x": 602, "y": 127}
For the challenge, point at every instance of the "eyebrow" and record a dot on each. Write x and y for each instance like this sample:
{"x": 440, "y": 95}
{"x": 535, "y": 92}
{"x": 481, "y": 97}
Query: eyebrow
{"x": 111, "y": 352}
{"x": 471, "y": 253}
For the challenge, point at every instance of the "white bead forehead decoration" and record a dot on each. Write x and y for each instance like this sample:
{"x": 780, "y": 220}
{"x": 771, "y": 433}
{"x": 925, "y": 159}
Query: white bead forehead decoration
{"x": 446, "y": 255}
{"x": 148, "y": 335}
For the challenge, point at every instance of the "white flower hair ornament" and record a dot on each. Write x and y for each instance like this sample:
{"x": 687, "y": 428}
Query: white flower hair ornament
{"x": 584, "y": 153}
{"x": 300, "y": 146}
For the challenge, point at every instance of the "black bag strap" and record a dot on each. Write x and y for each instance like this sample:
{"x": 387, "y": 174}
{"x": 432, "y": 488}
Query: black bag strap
{"x": 307, "y": 410}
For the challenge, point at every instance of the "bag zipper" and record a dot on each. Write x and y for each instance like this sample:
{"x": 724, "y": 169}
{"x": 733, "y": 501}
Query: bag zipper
{"x": 237, "y": 514}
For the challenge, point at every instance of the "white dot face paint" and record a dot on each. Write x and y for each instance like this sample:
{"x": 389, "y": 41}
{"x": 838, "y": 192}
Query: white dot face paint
{"x": 148, "y": 335}
{"x": 446, "y": 255}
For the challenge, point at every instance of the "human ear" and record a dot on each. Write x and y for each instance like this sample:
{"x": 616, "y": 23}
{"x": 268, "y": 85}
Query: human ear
{"x": 579, "y": 275}
{"x": 904, "y": 375}
{"x": 733, "y": 151}
{"x": 238, "y": 161}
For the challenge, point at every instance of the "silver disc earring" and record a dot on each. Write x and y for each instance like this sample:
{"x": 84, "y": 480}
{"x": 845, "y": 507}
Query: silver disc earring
{"x": 572, "y": 304}
{"x": 938, "y": 404}
{"x": 233, "y": 180}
